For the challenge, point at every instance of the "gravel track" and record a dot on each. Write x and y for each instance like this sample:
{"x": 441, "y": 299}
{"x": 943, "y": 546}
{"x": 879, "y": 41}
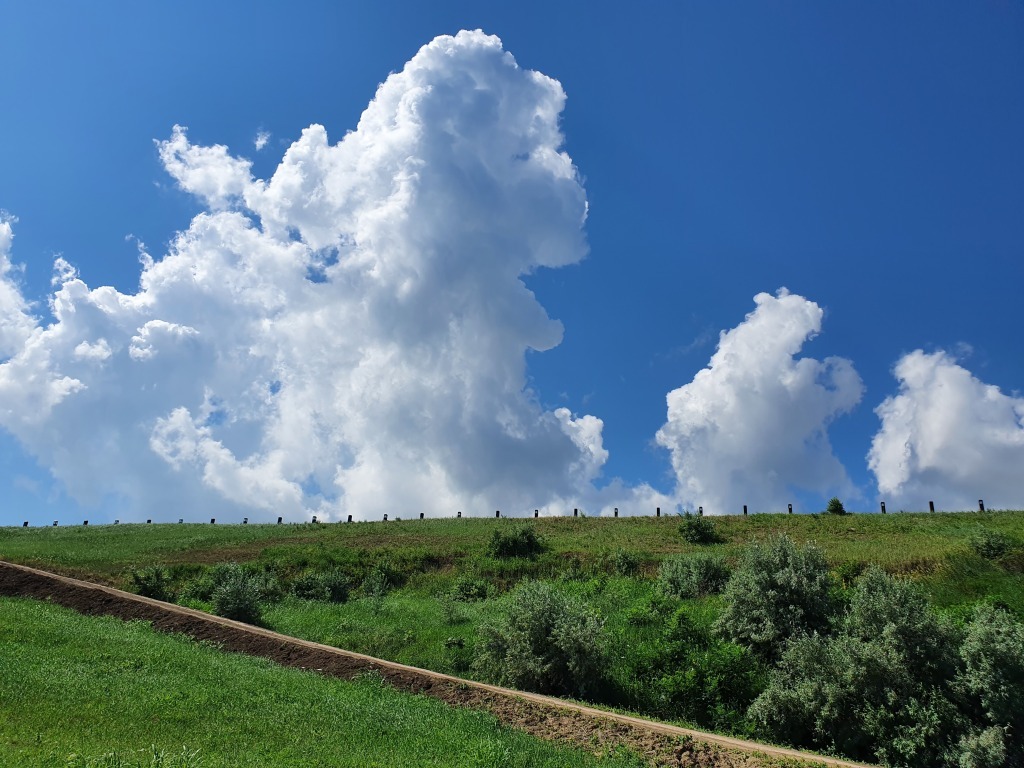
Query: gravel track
{"x": 544, "y": 716}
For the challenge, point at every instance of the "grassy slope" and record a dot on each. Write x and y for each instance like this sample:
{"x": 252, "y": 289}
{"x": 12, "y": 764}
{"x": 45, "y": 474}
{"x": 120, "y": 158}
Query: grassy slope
{"x": 73, "y": 689}
{"x": 931, "y": 548}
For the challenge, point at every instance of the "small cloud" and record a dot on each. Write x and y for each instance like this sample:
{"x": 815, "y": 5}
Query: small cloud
{"x": 262, "y": 137}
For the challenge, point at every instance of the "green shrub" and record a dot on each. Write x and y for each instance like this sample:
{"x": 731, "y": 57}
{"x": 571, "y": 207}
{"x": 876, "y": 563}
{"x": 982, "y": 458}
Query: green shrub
{"x": 835, "y": 507}
{"x": 880, "y": 689}
{"x": 624, "y": 563}
{"x": 780, "y": 590}
{"x": 238, "y": 593}
{"x": 326, "y": 586}
{"x": 543, "y": 640}
{"x": 697, "y": 529}
{"x": 693, "y": 576}
{"x": 152, "y": 581}
{"x": 991, "y": 544}
{"x": 518, "y": 541}
{"x": 993, "y": 678}
{"x": 377, "y": 583}
{"x": 468, "y": 589}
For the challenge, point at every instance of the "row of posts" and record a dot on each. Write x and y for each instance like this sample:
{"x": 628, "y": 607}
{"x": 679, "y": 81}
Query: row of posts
{"x": 536, "y": 514}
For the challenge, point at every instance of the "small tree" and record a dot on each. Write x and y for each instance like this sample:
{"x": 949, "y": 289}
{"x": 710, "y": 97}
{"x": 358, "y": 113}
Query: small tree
{"x": 835, "y": 507}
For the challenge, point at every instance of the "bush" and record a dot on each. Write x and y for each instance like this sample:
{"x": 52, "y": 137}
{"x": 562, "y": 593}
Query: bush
{"x": 624, "y": 563}
{"x": 699, "y": 530}
{"x": 835, "y": 507}
{"x": 237, "y": 595}
{"x": 695, "y": 576}
{"x": 327, "y": 586}
{"x": 377, "y": 583}
{"x": 991, "y": 544}
{"x": 520, "y": 541}
{"x": 468, "y": 589}
{"x": 152, "y": 581}
{"x": 779, "y": 591}
{"x": 993, "y": 678}
{"x": 878, "y": 690}
{"x": 543, "y": 640}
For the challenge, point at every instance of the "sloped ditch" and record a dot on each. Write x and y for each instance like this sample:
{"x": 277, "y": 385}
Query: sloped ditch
{"x": 542, "y": 716}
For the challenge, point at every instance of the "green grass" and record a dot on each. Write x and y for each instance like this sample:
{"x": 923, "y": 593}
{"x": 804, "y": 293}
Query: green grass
{"x": 933, "y": 549}
{"x": 75, "y": 690}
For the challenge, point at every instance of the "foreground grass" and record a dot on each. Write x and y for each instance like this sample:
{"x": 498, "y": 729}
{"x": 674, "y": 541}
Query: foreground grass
{"x": 74, "y": 691}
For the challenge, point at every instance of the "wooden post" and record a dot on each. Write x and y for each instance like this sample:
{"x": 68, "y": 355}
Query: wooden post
{"x": 536, "y": 513}
{"x": 314, "y": 518}
{"x": 245, "y": 521}
{"x": 931, "y": 506}
{"x": 459, "y": 513}
{"x": 657, "y": 511}
{"x": 25, "y": 524}
{"x": 981, "y": 505}
{"x": 791, "y": 509}
{"x": 213, "y": 520}
{"x": 85, "y": 522}
{"x": 385, "y": 518}
{"x": 700, "y": 511}
{"x": 149, "y": 522}
{"x": 575, "y": 512}
{"x": 350, "y": 518}
{"x": 280, "y": 520}
{"x": 883, "y": 507}
{"x": 744, "y": 509}
{"x": 421, "y": 515}
{"x": 616, "y": 512}
{"x": 497, "y": 513}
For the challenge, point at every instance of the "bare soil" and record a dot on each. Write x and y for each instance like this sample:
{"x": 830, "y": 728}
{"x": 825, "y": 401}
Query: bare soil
{"x": 594, "y": 730}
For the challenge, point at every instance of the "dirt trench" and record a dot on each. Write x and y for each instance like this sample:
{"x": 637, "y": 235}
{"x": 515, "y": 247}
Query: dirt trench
{"x": 546, "y": 717}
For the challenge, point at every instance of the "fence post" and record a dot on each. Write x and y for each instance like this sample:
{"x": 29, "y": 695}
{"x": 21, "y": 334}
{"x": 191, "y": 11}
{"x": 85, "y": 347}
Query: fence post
{"x": 421, "y": 515}
{"x": 931, "y": 506}
{"x": 536, "y": 513}
{"x": 744, "y": 509}
{"x": 314, "y": 518}
{"x": 85, "y": 522}
{"x": 213, "y": 520}
{"x": 245, "y": 521}
{"x": 149, "y": 522}
{"x": 459, "y": 513}
{"x": 616, "y": 511}
{"x": 981, "y": 505}
{"x": 883, "y": 507}
{"x": 790, "y": 509}
{"x": 349, "y": 518}
{"x": 54, "y": 523}
{"x": 657, "y": 511}
{"x": 181, "y": 520}
{"x": 115, "y": 522}
{"x": 575, "y": 512}
{"x": 700, "y": 511}
{"x": 385, "y": 517}
{"x": 497, "y": 513}
{"x": 25, "y": 524}
{"x": 280, "y": 520}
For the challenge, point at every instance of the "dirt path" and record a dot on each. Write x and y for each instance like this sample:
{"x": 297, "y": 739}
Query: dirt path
{"x": 543, "y": 716}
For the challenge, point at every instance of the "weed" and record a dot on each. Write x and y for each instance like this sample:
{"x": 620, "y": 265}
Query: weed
{"x": 519, "y": 541}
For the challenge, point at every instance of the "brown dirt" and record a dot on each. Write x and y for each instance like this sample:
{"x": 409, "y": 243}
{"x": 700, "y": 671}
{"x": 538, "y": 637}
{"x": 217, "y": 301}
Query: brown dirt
{"x": 596, "y": 731}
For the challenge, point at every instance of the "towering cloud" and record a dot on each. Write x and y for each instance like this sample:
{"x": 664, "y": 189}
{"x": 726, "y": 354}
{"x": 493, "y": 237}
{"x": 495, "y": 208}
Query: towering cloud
{"x": 754, "y": 424}
{"x": 348, "y": 336}
{"x": 947, "y": 437}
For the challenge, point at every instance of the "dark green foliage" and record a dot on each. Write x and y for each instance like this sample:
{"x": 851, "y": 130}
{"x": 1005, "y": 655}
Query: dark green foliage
{"x": 624, "y": 563}
{"x": 326, "y": 586}
{"x": 468, "y": 589}
{"x": 518, "y": 541}
{"x": 991, "y": 544}
{"x": 697, "y": 529}
{"x": 694, "y": 576}
{"x": 779, "y": 591}
{"x": 377, "y": 582}
{"x": 880, "y": 689}
{"x": 835, "y": 507}
{"x": 992, "y": 677}
{"x": 238, "y": 593}
{"x": 152, "y": 581}
{"x": 702, "y": 679}
{"x": 543, "y": 640}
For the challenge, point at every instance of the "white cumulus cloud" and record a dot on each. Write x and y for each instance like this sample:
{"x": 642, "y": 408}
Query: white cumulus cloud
{"x": 753, "y": 426}
{"x": 347, "y": 337}
{"x": 262, "y": 137}
{"x": 948, "y": 437}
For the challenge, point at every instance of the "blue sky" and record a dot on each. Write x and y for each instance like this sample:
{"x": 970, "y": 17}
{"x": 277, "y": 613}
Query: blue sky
{"x": 866, "y": 157}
